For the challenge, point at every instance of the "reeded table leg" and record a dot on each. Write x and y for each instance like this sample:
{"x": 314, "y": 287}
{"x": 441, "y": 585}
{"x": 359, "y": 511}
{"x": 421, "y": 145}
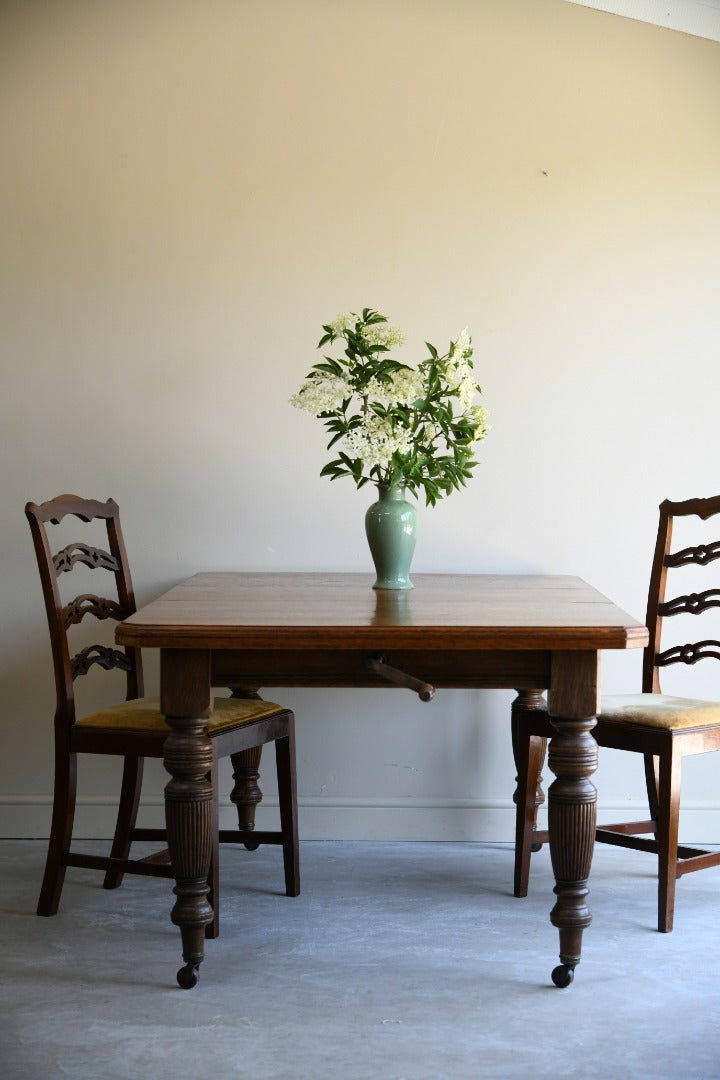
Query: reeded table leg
{"x": 572, "y": 799}
{"x": 186, "y": 701}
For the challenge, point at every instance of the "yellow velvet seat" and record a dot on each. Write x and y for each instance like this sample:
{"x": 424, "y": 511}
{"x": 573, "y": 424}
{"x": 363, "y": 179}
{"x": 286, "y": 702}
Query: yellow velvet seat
{"x": 660, "y": 711}
{"x": 143, "y": 715}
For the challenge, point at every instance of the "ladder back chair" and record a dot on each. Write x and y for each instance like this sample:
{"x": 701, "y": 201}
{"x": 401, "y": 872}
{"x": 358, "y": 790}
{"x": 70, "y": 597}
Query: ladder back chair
{"x": 661, "y": 727}
{"x": 136, "y": 729}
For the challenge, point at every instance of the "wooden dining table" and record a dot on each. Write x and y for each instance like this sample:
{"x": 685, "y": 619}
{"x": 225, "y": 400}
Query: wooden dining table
{"x": 246, "y": 631}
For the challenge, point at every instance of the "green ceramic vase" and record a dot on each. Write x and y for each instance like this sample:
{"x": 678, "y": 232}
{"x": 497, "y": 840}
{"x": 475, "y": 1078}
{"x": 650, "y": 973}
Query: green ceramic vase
{"x": 391, "y": 530}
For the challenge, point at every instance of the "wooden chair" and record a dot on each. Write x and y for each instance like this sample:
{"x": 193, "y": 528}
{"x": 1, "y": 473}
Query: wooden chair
{"x": 662, "y": 728}
{"x": 136, "y": 729}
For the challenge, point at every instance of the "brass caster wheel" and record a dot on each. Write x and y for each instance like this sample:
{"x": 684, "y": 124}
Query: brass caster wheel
{"x": 188, "y": 976}
{"x": 536, "y": 846}
{"x": 563, "y": 975}
{"x": 251, "y": 845}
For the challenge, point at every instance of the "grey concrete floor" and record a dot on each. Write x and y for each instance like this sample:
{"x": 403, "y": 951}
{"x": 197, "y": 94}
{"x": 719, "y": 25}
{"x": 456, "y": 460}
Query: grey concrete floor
{"x": 400, "y": 961}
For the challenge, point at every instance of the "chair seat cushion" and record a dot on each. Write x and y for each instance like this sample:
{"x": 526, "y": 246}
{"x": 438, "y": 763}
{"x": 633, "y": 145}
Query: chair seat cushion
{"x": 660, "y": 711}
{"x": 143, "y": 714}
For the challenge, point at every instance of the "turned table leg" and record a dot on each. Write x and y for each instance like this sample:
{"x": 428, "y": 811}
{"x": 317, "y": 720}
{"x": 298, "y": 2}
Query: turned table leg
{"x": 572, "y": 799}
{"x": 186, "y": 701}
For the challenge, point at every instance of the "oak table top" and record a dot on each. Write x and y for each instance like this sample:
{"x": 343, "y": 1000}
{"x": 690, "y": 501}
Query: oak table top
{"x": 448, "y": 611}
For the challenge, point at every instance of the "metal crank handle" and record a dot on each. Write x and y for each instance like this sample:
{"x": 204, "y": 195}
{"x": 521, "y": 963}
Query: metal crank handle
{"x": 378, "y": 664}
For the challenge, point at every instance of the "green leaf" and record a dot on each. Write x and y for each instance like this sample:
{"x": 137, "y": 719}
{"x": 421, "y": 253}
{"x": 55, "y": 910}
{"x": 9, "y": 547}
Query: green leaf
{"x": 330, "y": 367}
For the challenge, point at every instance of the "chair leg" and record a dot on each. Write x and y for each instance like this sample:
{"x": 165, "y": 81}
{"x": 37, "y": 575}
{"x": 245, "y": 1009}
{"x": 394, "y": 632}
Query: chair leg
{"x": 126, "y": 818}
{"x": 246, "y": 794}
{"x": 667, "y": 836}
{"x": 529, "y": 752}
{"x": 287, "y": 793}
{"x": 212, "y": 930}
{"x": 61, "y": 829}
{"x": 526, "y": 810}
{"x": 652, "y": 783}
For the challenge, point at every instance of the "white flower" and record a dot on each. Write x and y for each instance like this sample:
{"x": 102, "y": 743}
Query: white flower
{"x": 466, "y": 391}
{"x": 343, "y": 322}
{"x": 460, "y": 373}
{"x": 321, "y": 393}
{"x": 378, "y": 392}
{"x": 480, "y": 418}
{"x": 382, "y": 334}
{"x": 375, "y": 442}
{"x": 407, "y": 386}
{"x": 402, "y": 388}
{"x": 462, "y": 345}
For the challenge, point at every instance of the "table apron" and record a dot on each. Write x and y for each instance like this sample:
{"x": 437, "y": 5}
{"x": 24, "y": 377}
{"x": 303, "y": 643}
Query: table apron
{"x": 451, "y": 669}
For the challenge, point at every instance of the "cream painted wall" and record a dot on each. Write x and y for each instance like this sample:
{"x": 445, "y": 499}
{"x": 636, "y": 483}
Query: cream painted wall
{"x": 189, "y": 189}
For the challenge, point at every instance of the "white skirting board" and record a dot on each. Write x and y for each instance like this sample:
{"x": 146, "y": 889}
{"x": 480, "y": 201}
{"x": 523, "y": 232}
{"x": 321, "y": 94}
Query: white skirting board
{"x": 491, "y": 821}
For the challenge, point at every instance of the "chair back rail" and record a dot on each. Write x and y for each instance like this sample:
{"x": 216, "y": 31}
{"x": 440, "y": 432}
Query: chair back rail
{"x": 658, "y": 608}
{"x": 63, "y": 616}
